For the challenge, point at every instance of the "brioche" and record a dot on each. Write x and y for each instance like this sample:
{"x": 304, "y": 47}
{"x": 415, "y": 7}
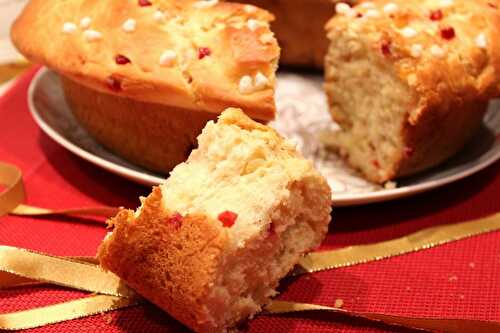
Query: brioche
{"x": 409, "y": 81}
{"x": 210, "y": 245}
{"x": 176, "y": 61}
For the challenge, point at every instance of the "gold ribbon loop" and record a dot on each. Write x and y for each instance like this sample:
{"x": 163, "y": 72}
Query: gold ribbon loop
{"x": 420, "y": 240}
{"x": 26, "y": 210}
{"x": 64, "y": 311}
{"x": 13, "y": 195}
{"x": 429, "y": 324}
{"x": 61, "y": 271}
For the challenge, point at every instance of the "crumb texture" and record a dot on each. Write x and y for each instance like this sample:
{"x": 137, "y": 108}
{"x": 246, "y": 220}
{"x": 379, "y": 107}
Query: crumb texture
{"x": 408, "y": 81}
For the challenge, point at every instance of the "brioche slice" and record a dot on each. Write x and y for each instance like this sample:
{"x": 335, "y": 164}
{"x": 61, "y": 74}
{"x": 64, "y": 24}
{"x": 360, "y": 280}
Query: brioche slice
{"x": 210, "y": 245}
{"x": 408, "y": 81}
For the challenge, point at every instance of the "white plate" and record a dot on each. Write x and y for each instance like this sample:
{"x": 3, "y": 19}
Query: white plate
{"x": 298, "y": 97}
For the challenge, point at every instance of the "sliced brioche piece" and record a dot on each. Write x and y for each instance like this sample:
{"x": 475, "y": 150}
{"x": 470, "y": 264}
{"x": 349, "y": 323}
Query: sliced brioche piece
{"x": 408, "y": 81}
{"x": 210, "y": 245}
{"x": 144, "y": 77}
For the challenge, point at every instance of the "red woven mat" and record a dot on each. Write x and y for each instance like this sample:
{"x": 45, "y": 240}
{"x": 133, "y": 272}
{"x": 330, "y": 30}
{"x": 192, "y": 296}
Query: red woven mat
{"x": 454, "y": 280}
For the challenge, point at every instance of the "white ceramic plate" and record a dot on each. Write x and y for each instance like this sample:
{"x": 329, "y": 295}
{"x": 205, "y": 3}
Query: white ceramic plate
{"x": 302, "y": 115}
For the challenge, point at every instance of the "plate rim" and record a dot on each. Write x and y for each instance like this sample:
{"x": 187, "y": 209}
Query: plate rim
{"x": 338, "y": 200}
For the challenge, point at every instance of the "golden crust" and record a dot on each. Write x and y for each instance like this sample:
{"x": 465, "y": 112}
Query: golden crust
{"x": 451, "y": 78}
{"x": 155, "y": 136}
{"x": 149, "y": 253}
{"x": 207, "y": 84}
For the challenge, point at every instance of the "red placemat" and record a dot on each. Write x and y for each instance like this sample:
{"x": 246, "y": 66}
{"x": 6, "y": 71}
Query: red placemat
{"x": 455, "y": 280}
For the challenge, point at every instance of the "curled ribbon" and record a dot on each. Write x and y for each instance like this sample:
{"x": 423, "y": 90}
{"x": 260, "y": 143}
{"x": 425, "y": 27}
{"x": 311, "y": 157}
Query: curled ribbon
{"x": 19, "y": 267}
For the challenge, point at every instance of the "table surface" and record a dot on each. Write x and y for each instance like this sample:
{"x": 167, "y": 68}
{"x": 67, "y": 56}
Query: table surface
{"x": 457, "y": 280}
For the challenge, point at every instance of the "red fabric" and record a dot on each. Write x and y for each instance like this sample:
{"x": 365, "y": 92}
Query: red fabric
{"x": 456, "y": 280}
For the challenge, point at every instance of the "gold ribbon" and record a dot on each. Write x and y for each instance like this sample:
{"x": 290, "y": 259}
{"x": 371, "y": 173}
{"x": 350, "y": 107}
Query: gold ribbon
{"x": 429, "y": 324}
{"x": 420, "y": 240}
{"x": 57, "y": 313}
{"x": 13, "y": 195}
{"x": 19, "y": 267}
{"x": 13, "y": 69}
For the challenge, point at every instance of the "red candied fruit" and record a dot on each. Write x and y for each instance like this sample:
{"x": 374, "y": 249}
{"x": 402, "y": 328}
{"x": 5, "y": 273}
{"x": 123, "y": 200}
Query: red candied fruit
{"x": 227, "y": 218}
{"x": 376, "y": 164}
{"x": 175, "y": 220}
{"x": 121, "y": 60}
{"x": 436, "y": 15}
{"x": 408, "y": 152}
{"x": 113, "y": 83}
{"x": 448, "y": 33}
{"x": 203, "y": 52}
{"x": 385, "y": 47}
{"x": 144, "y": 3}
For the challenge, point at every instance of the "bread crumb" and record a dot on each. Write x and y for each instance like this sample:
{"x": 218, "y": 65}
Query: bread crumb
{"x": 453, "y": 278}
{"x": 339, "y": 303}
{"x": 472, "y": 265}
{"x": 390, "y": 185}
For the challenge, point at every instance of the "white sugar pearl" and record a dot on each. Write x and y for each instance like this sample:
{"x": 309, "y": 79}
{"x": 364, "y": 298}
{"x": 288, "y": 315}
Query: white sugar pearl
{"x": 85, "y": 22}
{"x": 372, "y": 13}
{"x": 253, "y": 24}
{"x": 167, "y": 58}
{"x": 129, "y": 25}
{"x": 391, "y": 8}
{"x": 437, "y": 51}
{"x": 92, "y": 35}
{"x": 205, "y": 3}
{"x": 446, "y": 3}
{"x": 342, "y": 8}
{"x": 249, "y": 9}
{"x": 261, "y": 81}
{"x": 416, "y": 50}
{"x": 408, "y": 32}
{"x": 159, "y": 16}
{"x": 367, "y": 5}
{"x": 481, "y": 41}
{"x": 246, "y": 85}
{"x": 69, "y": 28}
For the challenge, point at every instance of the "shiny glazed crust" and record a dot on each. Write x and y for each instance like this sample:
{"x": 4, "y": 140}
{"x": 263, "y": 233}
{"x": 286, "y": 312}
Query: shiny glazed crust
{"x": 449, "y": 80}
{"x": 155, "y": 136}
{"x": 87, "y": 53}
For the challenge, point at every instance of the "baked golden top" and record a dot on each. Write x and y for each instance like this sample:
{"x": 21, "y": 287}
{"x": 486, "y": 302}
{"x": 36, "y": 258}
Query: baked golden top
{"x": 199, "y": 55}
{"x": 444, "y": 50}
